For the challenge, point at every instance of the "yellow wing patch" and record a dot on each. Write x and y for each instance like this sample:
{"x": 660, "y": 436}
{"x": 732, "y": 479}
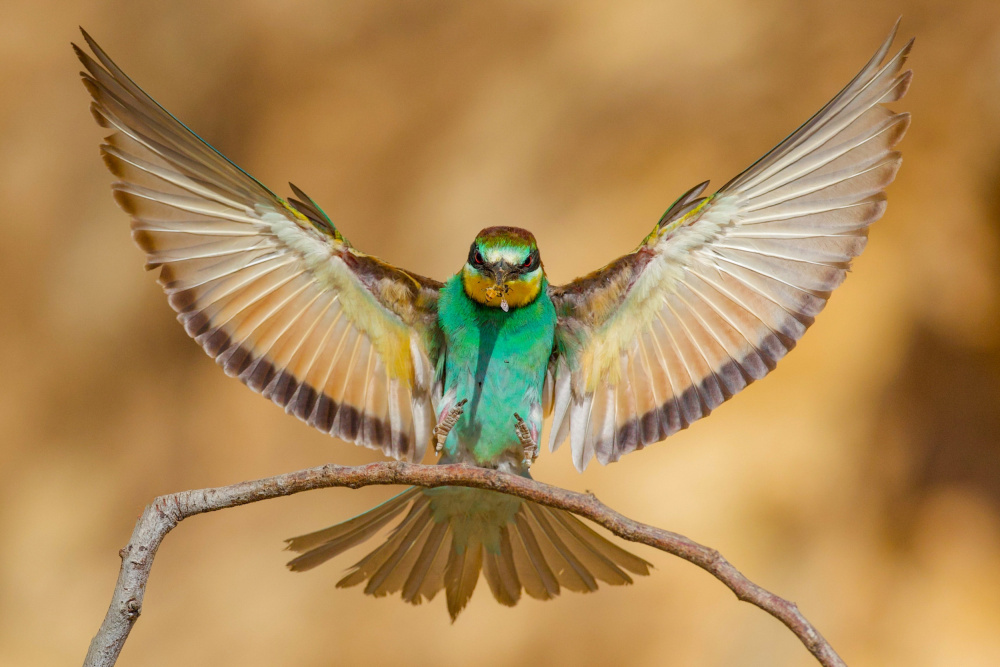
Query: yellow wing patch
{"x": 724, "y": 286}
{"x": 277, "y": 298}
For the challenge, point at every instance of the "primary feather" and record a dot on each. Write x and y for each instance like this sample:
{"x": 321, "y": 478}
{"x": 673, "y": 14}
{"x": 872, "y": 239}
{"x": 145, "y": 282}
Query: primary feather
{"x": 270, "y": 289}
{"x": 725, "y": 285}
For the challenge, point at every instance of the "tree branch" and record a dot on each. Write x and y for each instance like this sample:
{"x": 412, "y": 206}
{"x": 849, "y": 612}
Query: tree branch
{"x": 167, "y": 511}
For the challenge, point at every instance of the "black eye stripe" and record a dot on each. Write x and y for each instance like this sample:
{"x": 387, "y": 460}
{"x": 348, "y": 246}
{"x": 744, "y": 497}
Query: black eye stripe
{"x": 475, "y": 258}
{"x": 533, "y": 261}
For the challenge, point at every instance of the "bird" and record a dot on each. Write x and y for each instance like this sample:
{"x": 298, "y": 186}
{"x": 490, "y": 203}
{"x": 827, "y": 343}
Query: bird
{"x": 720, "y": 289}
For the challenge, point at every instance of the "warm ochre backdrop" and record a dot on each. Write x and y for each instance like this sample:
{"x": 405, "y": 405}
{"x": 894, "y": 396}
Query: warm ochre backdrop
{"x": 861, "y": 479}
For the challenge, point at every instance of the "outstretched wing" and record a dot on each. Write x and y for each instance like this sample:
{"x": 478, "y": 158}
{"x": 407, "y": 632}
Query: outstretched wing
{"x": 268, "y": 287}
{"x": 725, "y": 285}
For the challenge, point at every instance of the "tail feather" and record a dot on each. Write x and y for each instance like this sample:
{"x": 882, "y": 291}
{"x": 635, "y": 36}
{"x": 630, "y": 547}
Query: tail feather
{"x": 609, "y": 550}
{"x": 370, "y": 565}
{"x": 573, "y": 575}
{"x": 536, "y": 561}
{"x": 393, "y": 574}
{"x": 343, "y": 536}
{"x": 502, "y": 577}
{"x": 591, "y": 560}
{"x": 590, "y": 557}
{"x": 434, "y": 579}
{"x": 507, "y": 569}
{"x": 461, "y": 576}
{"x": 428, "y": 554}
{"x": 450, "y": 534}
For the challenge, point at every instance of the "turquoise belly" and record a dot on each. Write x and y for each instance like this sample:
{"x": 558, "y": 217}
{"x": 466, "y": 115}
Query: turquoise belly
{"x": 497, "y": 362}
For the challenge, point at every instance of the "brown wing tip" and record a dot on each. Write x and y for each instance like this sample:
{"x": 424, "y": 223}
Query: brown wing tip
{"x": 167, "y": 276}
{"x": 123, "y": 199}
{"x": 907, "y": 47}
{"x": 80, "y": 53}
{"x": 903, "y": 124}
{"x": 90, "y": 85}
{"x": 144, "y": 240}
{"x": 895, "y": 29}
{"x": 99, "y": 118}
{"x": 112, "y": 161}
{"x": 297, "y": 191}
{"x": 98, "y": 51}
{"x": 900, "y": 89}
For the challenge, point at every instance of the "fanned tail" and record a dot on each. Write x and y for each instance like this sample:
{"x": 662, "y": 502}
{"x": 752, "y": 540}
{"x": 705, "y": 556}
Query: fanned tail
{"x": 448, "y": 535}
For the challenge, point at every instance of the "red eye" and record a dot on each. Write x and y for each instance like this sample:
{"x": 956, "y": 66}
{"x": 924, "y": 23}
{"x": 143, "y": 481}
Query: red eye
{"x": 526, "y": 263}
{"x": 477, "y": 258}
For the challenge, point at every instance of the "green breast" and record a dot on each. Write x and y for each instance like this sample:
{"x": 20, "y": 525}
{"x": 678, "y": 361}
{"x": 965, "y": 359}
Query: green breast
{"x": 497, "y": 361}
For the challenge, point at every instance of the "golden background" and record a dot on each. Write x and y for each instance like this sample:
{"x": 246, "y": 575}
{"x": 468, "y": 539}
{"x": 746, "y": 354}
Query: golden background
{"x": 862, "y": 479}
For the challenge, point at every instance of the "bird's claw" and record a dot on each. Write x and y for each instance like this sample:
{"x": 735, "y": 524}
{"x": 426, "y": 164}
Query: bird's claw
{"x": 527, "y": 442}
{"x": 447, "y": 423}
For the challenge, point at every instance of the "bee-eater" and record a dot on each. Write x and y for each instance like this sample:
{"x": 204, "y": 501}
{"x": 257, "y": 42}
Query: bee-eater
{"x": 720, "y": 290}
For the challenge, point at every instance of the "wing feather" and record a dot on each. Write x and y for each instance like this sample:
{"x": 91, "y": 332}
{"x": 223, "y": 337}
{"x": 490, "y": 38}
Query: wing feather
{"x": 725, "y": 285}
{"x": 268, "y": 287}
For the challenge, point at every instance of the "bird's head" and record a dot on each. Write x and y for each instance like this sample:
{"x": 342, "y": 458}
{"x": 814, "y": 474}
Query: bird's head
{"x": 503, "y": 269}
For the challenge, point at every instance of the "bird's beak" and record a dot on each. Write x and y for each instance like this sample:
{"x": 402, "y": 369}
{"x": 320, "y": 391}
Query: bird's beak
{"x": 501, "y": 274}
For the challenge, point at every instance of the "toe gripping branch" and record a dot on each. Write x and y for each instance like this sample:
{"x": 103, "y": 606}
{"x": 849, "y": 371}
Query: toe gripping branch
{"x": 450, "y": 418}
{"x": 447, "y": 423}
{"x": 529, "y": 444}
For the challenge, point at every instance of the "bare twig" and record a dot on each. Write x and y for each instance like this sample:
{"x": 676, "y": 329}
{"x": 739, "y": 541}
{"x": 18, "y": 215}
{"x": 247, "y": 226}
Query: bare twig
{"x": 167, "y": 511}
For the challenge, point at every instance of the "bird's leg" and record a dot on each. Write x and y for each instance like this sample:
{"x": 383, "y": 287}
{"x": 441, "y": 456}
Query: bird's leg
{"x": 527, "y": 442}
{"x": 447, "y": 423}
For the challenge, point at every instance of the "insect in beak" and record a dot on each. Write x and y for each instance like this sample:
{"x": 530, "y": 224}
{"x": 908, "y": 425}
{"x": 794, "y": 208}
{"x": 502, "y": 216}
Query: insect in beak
{"x": 500, "y": 291}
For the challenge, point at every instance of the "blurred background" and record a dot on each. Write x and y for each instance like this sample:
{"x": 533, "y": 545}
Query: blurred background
{"x": 861, "y": 479}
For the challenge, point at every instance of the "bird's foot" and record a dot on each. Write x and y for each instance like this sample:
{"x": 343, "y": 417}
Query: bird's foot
{"x": 527, "y": 442}
{"x": 447, "y": 423}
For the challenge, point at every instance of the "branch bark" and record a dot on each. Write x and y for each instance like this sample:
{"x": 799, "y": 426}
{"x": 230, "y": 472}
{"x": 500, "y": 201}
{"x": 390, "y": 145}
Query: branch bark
{"x": 160, "y": 517}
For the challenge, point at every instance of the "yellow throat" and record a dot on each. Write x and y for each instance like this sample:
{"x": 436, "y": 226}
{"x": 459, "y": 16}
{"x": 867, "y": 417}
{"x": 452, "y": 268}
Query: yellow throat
{"x": 512, "y": 294}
